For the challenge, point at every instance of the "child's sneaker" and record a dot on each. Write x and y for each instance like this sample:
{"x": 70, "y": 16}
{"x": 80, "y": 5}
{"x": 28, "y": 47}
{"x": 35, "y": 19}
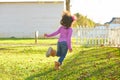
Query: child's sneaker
{"x": 57, "y": 65}
{"x": 50, "y": 52}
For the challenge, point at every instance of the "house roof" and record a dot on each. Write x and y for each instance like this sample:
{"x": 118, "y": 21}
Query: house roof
{"x": 30, "y": 0}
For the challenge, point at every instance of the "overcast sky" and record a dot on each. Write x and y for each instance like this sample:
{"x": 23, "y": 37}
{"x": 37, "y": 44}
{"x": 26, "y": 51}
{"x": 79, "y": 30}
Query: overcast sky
{"x": 99, "y": 10}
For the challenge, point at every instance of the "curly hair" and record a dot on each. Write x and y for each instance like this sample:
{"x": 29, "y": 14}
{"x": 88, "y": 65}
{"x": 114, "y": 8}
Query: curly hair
{"x": 66, "y": 20}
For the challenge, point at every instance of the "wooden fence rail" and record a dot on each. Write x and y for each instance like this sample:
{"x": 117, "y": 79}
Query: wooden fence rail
{"x": 98, "y": 36}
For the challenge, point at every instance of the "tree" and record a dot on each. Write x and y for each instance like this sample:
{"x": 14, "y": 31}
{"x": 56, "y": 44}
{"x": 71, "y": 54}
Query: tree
{"x": 68, "y": 5}
{"x": 83, "y": 21}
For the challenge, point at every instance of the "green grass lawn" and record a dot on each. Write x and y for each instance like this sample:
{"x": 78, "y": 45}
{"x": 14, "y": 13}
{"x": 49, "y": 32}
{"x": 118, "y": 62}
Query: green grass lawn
{"x": 21, "y": 59}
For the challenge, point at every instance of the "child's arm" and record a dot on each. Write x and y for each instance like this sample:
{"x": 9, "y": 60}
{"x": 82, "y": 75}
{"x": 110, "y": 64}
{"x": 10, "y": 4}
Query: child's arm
{"x": 69, "y": 40}
{"x": 53, "y": 34}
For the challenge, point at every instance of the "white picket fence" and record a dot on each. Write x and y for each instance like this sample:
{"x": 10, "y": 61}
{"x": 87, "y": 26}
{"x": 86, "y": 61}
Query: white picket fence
{"x": 98, "y": 36}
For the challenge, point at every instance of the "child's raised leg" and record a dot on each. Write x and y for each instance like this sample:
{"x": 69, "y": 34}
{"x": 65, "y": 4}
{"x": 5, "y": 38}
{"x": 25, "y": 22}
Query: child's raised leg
{"x": 50, "y": 52}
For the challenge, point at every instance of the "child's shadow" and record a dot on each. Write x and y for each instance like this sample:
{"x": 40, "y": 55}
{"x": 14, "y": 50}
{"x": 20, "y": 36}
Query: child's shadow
{"x": 39, "y": 74}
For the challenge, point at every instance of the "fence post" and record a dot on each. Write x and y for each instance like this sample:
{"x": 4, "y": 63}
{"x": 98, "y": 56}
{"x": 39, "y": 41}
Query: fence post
{"x": 36, "y": 37}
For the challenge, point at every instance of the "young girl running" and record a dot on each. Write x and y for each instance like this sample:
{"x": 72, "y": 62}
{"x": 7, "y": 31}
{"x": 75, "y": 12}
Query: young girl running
{"x": 64, "y": 41}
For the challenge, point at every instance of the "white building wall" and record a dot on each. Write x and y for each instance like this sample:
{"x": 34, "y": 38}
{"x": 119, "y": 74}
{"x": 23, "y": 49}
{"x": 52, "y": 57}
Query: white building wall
{"x": 22, "y": 19}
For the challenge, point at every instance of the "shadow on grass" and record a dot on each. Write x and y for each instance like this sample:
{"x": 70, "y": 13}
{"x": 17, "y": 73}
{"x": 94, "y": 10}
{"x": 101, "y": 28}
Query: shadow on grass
{"x": 32, "y": 77}
{"x": 77, "y": 64}
{"x": 105, "y": 72}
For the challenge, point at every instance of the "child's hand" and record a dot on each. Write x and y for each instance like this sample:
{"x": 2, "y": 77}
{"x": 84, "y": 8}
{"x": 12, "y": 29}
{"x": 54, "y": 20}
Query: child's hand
{"x": 70, "y": 50}
{"x": 45, "y": 35}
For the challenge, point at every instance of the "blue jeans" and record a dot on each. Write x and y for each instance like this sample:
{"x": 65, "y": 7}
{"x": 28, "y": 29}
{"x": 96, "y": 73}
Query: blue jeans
{"x": 62, "y": 51}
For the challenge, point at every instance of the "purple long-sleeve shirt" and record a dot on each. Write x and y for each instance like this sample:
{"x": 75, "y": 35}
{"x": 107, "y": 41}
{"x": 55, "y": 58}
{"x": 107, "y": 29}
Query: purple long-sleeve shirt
{"x": 65, "y": 35}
